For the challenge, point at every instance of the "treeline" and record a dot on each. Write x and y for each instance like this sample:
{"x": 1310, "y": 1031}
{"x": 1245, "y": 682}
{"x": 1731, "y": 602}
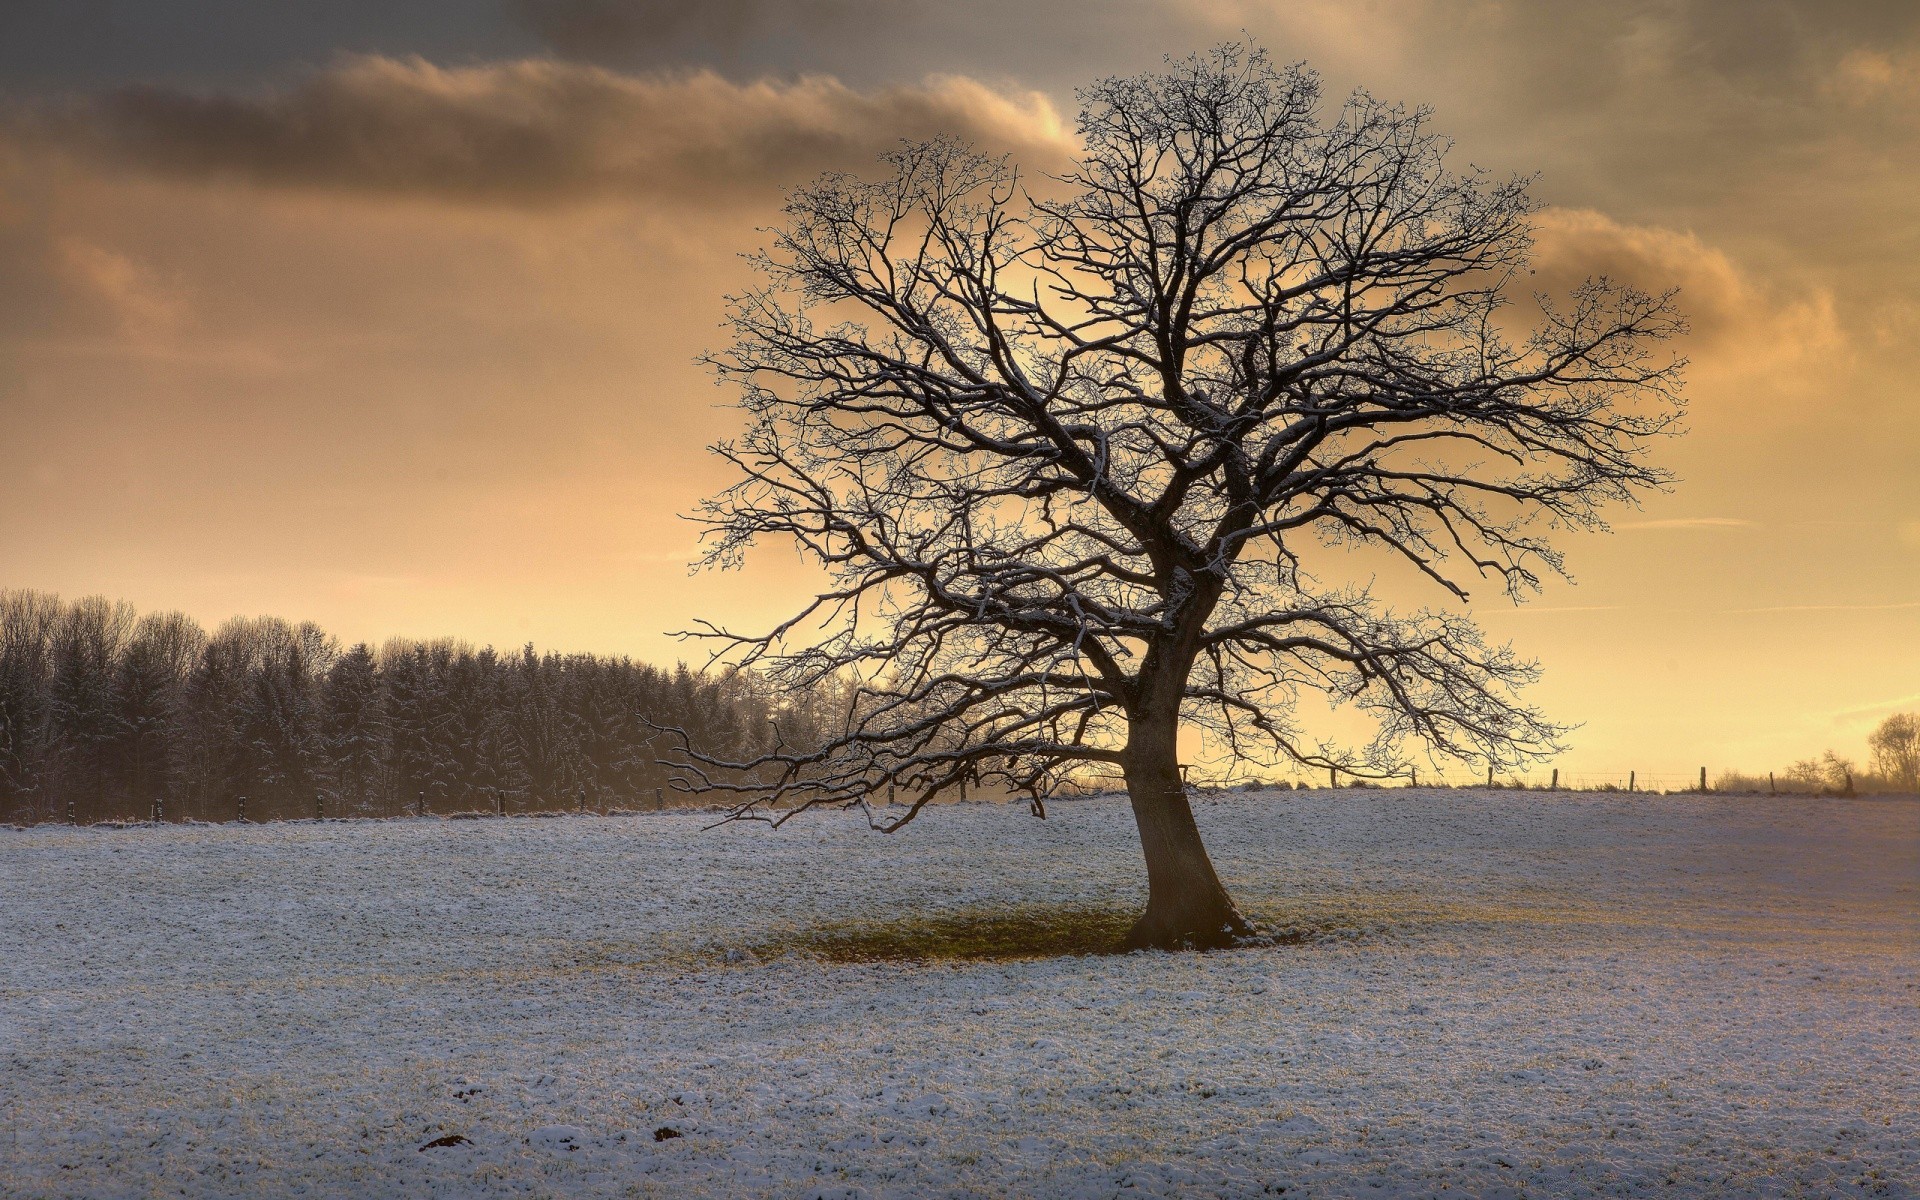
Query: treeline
{"x": 103, "y": 712}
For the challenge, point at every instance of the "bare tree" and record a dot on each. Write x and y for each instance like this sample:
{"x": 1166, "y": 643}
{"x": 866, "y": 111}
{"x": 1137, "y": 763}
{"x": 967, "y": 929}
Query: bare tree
{"x": 27, "y": 624}
{"x": 1076, "y": 457}
{"x": 1896, "y": 751}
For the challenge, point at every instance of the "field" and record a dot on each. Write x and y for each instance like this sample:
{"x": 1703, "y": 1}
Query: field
{"x": 1487, "y": 993}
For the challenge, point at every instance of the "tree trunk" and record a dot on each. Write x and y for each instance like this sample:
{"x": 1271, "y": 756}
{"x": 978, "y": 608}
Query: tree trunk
{"x": 1187, "y": 908}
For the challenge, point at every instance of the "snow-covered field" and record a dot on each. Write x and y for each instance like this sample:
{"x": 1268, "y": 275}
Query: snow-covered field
{"x": 1512, "y": 994}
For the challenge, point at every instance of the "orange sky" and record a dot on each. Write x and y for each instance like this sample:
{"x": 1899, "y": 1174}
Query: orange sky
{"x": 392, "y": 327}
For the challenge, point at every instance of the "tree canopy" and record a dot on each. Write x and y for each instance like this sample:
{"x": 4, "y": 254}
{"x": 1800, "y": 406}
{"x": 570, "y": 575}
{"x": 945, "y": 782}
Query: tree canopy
{"x": 1092, "y": 456}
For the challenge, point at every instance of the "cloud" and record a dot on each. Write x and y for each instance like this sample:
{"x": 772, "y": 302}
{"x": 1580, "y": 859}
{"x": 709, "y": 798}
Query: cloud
{"x": 1685, "y": 523}
{"x": 1061, "y": 42}
{"x": 1901, "y": 606}
{"x": 1878, "y": 708}
{"x": 142, "y": 305}
{"x": 594, "y": 29}
{"x": 57, "y": 281}
{"x": 1530, "y": 609}
{"x": 537, "y": 132}
{"x": 1875, "y": 76}
{"x": 1734, "y": 320}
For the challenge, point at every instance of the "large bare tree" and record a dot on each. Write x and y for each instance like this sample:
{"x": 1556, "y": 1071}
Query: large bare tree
{"x": 1093, "y": 460}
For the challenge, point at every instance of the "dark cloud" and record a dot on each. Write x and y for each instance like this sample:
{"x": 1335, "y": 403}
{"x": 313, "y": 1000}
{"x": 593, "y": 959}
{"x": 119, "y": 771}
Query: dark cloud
{"x": 1760, "y": 53}
{"x": 1051, "y": 42}
{"x": 59, "y": 44}
{"x": 540, "y": 131}
{"x": 600, "y": 29}
{"x": 1561, "y": 51}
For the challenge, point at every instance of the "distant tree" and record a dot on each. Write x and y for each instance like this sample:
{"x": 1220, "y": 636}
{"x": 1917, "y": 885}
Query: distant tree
{"x": 414, "y": 674}
{"x": 280, "y": 725}
{"x": 1074, "y": 460}
{"x": 479, "y": 730}
{"x": 547, "y": 750}
{"x": 356, "y": 733}
{"x": 151, "y": 673}
{"x": 1896, "y": 751}
{"x": 1839, "y": 772}
{"x": 206, "y": 742}
{"x": 27, "y": 622}
{"x": 83, "y": 704}
{"x": 1828, "y": 773}
{"x": 609, "y": 727}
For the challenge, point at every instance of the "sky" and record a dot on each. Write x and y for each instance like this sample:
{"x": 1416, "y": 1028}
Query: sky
{"x": 386, "y": 314}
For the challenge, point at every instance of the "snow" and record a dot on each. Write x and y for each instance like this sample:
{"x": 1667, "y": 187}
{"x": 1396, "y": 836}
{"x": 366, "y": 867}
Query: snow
{"x": 1506, "y": 993}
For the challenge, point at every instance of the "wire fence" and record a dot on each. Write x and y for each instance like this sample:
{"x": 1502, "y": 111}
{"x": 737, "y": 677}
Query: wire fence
{"x": 1664, "y": 781}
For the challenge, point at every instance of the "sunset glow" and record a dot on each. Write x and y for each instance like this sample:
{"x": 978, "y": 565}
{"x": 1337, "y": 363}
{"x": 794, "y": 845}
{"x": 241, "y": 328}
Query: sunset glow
{"x": 389, "y": 319}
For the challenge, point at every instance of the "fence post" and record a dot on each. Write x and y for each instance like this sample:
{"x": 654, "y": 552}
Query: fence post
{"x": 1556, "y": 780}
{"x": 240, "y": 807}
{"x": 581, "y": 804}
{"x": 1772, "y": 788}
{"x": 420, "y": 805}
{"x": 319, "y": 806}
{"x": 499, "y": 803}
{"x": 159, "y": 810}
{"x": 1413, "y": 777}
{"x": 1703, "y": 779}
{"x": 1333, "y": 777}
{"x": 70, "y": 819}
{"x": 659, "y": 800}
{"x": 1630, "y": 779}
{"x": 1489, "y": 774}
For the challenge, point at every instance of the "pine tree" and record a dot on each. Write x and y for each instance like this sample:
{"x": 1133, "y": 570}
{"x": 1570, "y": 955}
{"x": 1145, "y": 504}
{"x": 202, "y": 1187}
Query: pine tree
{"x": 82, "y": 701}
{"x": 548, "y": 752}
{"x": 281, "y": 730}
{"x": 427, "y": 741}
{"x": 149, "y": 677}
{"x": 209, "y": 756}
{"x": 357, "y": 735}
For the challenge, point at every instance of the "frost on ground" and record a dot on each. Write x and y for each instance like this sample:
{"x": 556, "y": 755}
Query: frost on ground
{"x": 1505, "y": 993}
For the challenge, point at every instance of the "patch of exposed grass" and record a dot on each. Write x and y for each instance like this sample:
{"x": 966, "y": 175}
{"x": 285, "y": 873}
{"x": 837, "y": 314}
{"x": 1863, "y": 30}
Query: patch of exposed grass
{"x": 972, "y": 936}
{"x": 999, "y": 935}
